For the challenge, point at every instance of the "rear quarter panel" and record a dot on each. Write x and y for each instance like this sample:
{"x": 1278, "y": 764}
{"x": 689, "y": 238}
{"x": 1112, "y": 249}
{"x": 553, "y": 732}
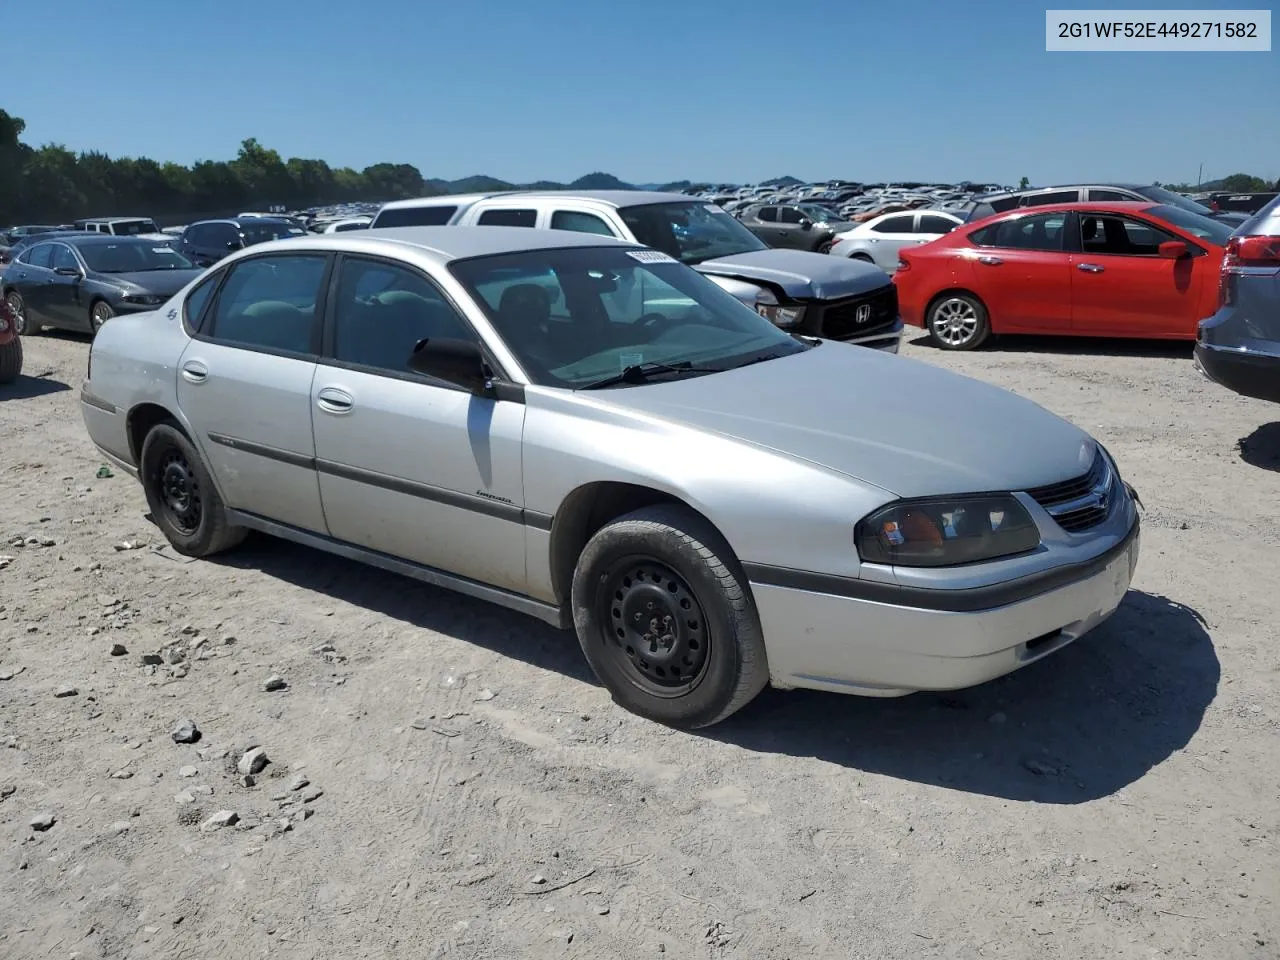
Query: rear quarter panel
{"x": 935, "y": 266}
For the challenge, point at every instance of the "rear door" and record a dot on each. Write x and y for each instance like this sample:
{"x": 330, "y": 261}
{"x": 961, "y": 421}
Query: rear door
{"x": 32, "y": 274}
{"x": 1022, "y": 272}
{"x": 1122, "y": 287}
{"x": 244, "y": 384}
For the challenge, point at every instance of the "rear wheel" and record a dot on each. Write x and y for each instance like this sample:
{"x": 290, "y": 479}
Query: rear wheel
{"x": 182, "y": 497}
{"x": 10, "y": 360}
{"x": 665, "y": 618}
{"x": 21, "y": 322}
{"x": 958, "y": 321}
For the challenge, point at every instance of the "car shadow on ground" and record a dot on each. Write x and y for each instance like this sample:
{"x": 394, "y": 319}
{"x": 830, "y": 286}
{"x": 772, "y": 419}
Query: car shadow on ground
{"x": 1262, "y": 447}
{"x": 1082, "y": 346}
{"x": 1078, "y": 725}
{"x": 24, "y": 388}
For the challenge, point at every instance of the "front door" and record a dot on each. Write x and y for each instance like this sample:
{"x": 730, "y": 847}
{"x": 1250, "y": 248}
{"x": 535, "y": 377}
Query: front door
{"x": 245, "y": 386}
{"x": 410, "y": 466}
{"x": 1122, "y": 287}
{"x": 64, "y": 303}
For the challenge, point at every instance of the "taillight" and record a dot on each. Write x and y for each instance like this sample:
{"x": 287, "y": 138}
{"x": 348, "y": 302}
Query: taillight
{"x": 1244, "y": 252}
{"x": 903, "y": 264}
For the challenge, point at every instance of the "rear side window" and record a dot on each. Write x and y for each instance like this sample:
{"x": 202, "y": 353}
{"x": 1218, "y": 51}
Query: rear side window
{"x": 767, "y": 214}
{"x": 894, "y": 224}
{"x": 1107, "y": 196}
{"x": 930, "y": 224}
{"x": 1056, "y": 196}
{"x": 508, "y": 218}
{"x": 579, "y": 222}
{"x": 270, "y": 303}
{"x": 1001, "y": 204}
{"x": 436, "y": 216}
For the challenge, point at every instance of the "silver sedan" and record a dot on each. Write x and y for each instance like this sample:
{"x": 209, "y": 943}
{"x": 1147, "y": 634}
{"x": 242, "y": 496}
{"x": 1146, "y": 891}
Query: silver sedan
{"x": 590, "y": 432}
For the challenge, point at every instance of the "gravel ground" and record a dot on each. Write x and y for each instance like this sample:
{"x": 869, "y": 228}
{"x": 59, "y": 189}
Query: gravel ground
{"x": 475, "y": 794}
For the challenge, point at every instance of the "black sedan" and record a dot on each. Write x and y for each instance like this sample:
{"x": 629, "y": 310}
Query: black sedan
{"x": 81, "y": 282}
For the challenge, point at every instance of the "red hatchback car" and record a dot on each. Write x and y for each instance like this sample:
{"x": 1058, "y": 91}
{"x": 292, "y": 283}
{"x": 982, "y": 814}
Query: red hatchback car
{"x": 1084, "y": 269}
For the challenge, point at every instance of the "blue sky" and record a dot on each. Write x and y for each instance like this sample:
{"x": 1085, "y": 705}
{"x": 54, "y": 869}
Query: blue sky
{"x": 662, "y": 90}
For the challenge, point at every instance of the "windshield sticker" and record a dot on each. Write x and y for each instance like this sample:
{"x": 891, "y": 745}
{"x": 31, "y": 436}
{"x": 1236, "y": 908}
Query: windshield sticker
{"x": 650, "y": 256}
{"x": 630, "y": 360}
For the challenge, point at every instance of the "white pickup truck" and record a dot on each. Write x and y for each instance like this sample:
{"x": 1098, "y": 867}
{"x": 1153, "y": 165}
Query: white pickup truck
{"x": 809, "y": 293}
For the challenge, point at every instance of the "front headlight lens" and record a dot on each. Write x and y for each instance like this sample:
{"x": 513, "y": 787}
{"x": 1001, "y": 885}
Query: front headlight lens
{"x": 946, "y": 531}
{"x": 143, "y": 299}
{"x": 785, "y": 317}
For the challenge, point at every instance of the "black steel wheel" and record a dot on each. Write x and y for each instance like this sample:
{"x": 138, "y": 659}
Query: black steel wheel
{"x": 183, "y": 499}
{"x": 657, "y": 629}
{"x": 665, "y": 618}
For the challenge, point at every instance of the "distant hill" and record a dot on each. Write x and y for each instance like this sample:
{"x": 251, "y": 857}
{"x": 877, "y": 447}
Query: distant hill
{"x": 482, "y": 183}
{"x": 782, "y": 182}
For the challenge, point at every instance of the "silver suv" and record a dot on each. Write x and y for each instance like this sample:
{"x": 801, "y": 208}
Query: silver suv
{"x": 799, "y": 291}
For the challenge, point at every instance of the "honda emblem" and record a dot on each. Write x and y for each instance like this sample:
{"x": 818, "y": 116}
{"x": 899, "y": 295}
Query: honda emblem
{"x": 863, "y": 314}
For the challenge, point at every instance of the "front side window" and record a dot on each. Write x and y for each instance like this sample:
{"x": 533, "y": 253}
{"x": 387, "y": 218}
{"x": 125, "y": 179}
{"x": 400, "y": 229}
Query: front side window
{"x": 63, "y": 258}
{"x": 1056, "y": 196}
{"x": 1121, "y": 236}
{"x": 270, "y": 303}
{"x": 690, "y": 232}
{"x": 132, "y": 256}
{"x": 508, "y": 218}
{"x": 929, "y": 224}
{"x": 197, "y": 300}
{"x": 383, "y": 311}
{"x": 434, "y": 216}
{"x": 580, "y": 222}
{"x": 1097, "y": 195}
{"x": 790, "y": 215}
{"x": 575, "y": 316}
{"x": 1205, "y": 228}
{"x": 894, "y": 225}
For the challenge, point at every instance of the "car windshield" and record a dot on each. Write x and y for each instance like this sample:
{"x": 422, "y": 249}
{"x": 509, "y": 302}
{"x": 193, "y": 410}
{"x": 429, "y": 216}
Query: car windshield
{"x": 691, "y": 232}
{"x": 577, "y": 315}
{"x": 132, "y": 256}
{"x": 1171, "y": 199}
{"x": 131, "y": 228}
{"x": 1206, "y": 228}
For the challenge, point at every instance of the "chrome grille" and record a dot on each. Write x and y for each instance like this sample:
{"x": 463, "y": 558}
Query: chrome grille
{"x": 1081, "y": 502}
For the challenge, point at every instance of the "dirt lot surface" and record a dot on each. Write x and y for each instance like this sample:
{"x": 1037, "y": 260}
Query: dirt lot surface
{"x": 475, "y": 794}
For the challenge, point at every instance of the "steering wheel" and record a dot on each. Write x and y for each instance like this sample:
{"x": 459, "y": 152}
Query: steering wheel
{"x": 651, "y": 322}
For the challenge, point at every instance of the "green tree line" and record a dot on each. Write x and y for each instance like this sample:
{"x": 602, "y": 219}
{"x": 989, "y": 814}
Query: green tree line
{"x": 52, "y": 184}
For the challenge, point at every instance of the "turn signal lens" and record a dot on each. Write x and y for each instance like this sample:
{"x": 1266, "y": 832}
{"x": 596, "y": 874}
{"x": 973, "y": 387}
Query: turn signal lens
{"x": 946, "y": 532}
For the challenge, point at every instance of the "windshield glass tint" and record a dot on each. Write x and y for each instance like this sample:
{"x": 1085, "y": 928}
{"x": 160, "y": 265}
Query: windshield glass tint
{"x": 264, "y": 230}
{"x": 132, "y": 256}
{"x": 690, "y": 232}
{"x": 1171, "y": 199}
{"x": 1206, "y": 228}
{"x": 575, "y": 316}
{"x": 131, "y": 228}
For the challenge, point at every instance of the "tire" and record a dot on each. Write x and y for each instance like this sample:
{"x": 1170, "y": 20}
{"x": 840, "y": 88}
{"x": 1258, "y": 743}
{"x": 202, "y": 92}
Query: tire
{"x": 172, "y": 475}
{"x": 21, "y": 323}
{"x": 957, "y": 321}
{"x": 10, "y": 360}
{"x": 824, "y": 247}
{"x": 99, "y": 313}
{"x": 713, "y": 663}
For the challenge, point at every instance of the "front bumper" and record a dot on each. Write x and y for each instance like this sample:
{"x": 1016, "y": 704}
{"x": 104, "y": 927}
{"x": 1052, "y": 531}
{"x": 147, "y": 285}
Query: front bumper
{"x": 888, "y": 339}
{"x": 1247, "y": 372}
{"x": 846, "y": 644}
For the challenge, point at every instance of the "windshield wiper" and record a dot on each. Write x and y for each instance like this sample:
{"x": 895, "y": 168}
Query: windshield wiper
{"x": 641, "y": 372}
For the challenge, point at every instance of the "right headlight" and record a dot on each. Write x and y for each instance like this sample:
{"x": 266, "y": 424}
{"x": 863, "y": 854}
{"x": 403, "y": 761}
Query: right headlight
{"x": 785, "y": 317}
{"x": 946, "y": 531}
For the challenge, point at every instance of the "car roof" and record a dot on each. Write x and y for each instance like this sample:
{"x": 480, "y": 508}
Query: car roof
{"x": 112, "y": 219}
{"x": 81, "y": 239}
{"x": 447, "y": 244}
{"x": 613, "y": 198}
{"x": 444, "y": 200}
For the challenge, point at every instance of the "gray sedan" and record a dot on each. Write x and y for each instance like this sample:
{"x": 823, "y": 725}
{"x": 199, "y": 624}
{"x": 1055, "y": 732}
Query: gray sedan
{"x": 589, "y": 431}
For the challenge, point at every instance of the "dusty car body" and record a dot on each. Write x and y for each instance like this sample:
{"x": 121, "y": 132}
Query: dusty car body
{"x": 594, "y": 434}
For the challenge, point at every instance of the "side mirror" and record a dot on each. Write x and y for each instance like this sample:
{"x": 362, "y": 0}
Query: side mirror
{"x": 806, "y": 224}
{"x": 459, "y": 362}
{"x": 1173, "y": 249}
{"x": 68, "y": 272}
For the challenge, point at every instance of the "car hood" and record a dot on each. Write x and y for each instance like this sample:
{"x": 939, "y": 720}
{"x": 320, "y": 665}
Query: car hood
{"x": 164, "y": 283}
{"x": 902, "y": 425}
{"x": 801, "y": 275}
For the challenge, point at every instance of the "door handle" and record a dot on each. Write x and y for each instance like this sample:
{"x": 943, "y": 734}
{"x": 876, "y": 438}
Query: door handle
{"x": 990, "y": 261}
{"x": 195, "y": 372}
{"x": 335, "y": 401}
{"x": 1089, "y": 267}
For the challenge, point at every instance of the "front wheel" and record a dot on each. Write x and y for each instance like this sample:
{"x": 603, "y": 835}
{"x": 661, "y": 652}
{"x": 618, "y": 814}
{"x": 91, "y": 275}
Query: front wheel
{"x": 958, "y": 321}
{"x": 99, "y": 314}
{"x": 665, "y": 618}
{"x": 182, "y": 497}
